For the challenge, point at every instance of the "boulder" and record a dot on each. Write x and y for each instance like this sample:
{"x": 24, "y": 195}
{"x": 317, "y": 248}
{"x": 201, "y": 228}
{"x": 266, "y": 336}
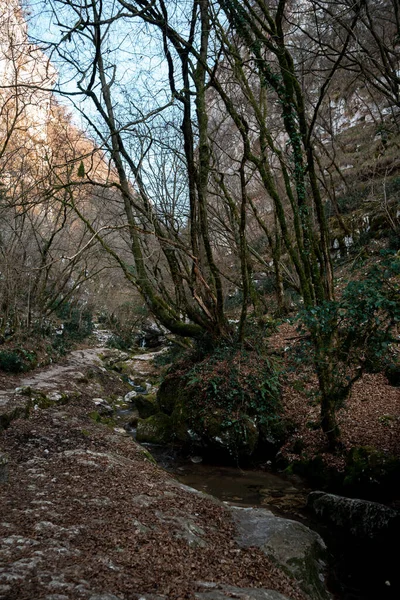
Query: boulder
{"x": 146, "y": 405}
{"x": 155, "y": 430}
{"x": 172, "y": 393}
{"x": 361, "y": 519}
{"x": 130, "y": 396}
{"x": 298, "y": 550}
{"x": 237, "y": 437}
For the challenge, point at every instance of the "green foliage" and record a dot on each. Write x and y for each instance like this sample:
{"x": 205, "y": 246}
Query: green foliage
{"x": 235, "y": 387}
{"x": 368, "y": 468}
{"x": 354, "y": 334}
{"x": 81, "y": 169}
{"x": 234, "y": 300}
{"x": 77, "y": 322}
{"x": 352, "y": 200}
{"x": 369, "y": 310}
{"x": 17, "y": 361}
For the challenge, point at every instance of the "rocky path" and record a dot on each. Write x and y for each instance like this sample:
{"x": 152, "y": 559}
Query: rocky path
{"x": 86, "y": 514}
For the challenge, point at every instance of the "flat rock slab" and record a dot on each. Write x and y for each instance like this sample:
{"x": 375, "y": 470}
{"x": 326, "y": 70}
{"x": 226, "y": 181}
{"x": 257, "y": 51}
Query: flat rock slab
{"x": 292, "y": 545}
{"x": 50, "y": 378}
{"x": 217, "y": 592}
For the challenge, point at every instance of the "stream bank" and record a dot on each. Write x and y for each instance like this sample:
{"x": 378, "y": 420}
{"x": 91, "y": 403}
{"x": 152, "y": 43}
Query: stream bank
{"x": 87, "y": 514}
{"x": 287, "y": 496}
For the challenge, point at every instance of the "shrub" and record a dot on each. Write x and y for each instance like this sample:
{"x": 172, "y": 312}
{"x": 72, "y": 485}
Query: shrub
{"x": 344, "y": 338}
{"x": 17, "y": 361}
{"x": 235, "y": 386}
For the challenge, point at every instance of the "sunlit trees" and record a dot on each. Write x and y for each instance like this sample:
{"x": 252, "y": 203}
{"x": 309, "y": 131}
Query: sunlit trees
{"x": 225, "y": 146}
{"x": 46, "y": 252}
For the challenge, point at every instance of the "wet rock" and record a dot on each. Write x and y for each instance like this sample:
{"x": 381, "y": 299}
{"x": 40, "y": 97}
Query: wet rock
{"x": 360, "y": 518}
{"x": 154, "y": 430}
{"x": 103, "y": 408}
{"x": 221, "y": 592}
{"x": 130, "y": 396}
{"x": 196, "y": 459}
{"x": 293, "y": 546}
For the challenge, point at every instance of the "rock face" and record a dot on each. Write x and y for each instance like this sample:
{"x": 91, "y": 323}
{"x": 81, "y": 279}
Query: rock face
{"x": 361, "y": 519}
{"x": 292, "y": 545}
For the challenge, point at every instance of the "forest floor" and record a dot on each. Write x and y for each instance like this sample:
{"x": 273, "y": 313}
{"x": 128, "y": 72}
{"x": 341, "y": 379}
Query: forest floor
{"x": 370, "y": 417}
{"x": 86, "y": 514}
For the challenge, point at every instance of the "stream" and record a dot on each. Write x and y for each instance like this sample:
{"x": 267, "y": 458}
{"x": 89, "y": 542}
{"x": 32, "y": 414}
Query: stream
{"x": 233, "y": 485}
{"x": 354, "y": 572}
{"x": 357, "y": 571}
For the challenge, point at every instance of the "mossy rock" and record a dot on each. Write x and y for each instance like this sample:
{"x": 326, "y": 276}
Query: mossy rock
{"x": 172, "y": 392}
{"x": 148, "y": 456}
{"x": 369, "y": 470}
{"x": 121, "y": 367}
{"x": 157, "y": 429}
{"x": 237, "y": 437}
{"x": 146, "y": 405}
{"x": 180, "y": 424}
{"x": 296, "y": 549}
{"x": 98, "y": 418}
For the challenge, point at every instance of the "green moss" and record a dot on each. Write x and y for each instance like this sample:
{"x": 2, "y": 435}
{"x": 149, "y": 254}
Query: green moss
{"x": 173, "y": 392}
{"x": 179, "y": 422}
{"x": 368, "y": 468}
{"x": 237, "y": 435}
{"x": 146, "y": 405}
{"x": 225, "y": 398}
{"x": 97, "y": 418}
{"x": 157, "y": 429}
{"x": 148, "y": 456}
